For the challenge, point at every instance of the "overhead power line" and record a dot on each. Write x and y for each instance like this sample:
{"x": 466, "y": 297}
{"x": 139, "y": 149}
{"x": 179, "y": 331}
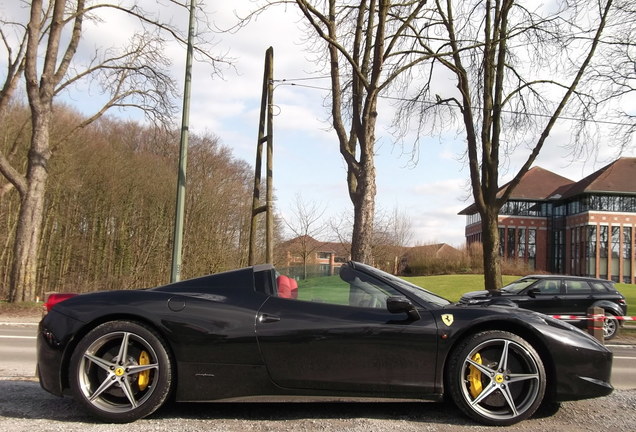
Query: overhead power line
{"x": 290, "y": 82}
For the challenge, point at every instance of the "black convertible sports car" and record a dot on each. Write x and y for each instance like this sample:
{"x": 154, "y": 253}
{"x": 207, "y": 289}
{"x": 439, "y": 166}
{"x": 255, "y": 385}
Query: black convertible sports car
{"x": 362, "y": 333}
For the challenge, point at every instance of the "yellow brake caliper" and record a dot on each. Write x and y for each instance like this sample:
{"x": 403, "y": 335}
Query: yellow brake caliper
{"x": 474, "y": 377}
{"x": 144, "y": 377}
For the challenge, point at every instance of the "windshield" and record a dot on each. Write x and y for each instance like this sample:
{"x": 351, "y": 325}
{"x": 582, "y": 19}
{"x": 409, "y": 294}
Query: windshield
{"x": 412, "y": 289}
{"x": 519, "y": 285}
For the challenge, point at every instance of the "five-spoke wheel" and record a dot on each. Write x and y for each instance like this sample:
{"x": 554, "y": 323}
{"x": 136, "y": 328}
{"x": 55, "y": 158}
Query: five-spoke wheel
{"x": 610, "y": 326}
{"x": 121, "y": 371}
{"x": 496, "y": 378}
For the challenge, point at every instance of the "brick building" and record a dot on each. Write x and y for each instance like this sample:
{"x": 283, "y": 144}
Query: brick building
{"x": 325, "y": 257}
{"x": 580, "y": 228}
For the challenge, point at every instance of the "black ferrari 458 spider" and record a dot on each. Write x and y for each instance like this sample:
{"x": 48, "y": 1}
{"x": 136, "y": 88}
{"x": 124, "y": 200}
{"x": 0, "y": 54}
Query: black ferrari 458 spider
{"x": 361, "y": 333}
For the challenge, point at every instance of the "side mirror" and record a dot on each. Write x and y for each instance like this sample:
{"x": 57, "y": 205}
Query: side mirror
{"x": 402, "y": 304}
{"x": 533, "y": 292}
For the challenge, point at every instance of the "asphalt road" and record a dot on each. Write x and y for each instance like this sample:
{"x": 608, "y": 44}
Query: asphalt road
{"x": 17, "y": 350}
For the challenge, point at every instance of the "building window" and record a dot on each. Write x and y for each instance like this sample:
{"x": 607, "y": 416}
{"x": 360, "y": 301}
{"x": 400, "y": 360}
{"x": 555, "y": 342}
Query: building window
{"x": 473, "y": 219}
{"x": 532, "y": 247}
{"x": 502, "y": 242}
{"x": 558, "y": 255}
{"x": 591, "y": 251}
{"x": 573, "y": 249}
{"x": 603, "y": 249}
{"x": 511, "y": 243}
{"x": 612, "y": 203}
{"x": 627, "y": 254}
{"x": 324, "y": 255}
{"x": 521, "y": 243}
{"x": 616, "y": 248}
{"x": 582, "y": 248}
{"x": 524, "y": 208}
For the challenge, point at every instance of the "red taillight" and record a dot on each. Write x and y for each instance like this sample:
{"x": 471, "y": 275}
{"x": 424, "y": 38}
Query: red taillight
{"x": 55, "y": 299}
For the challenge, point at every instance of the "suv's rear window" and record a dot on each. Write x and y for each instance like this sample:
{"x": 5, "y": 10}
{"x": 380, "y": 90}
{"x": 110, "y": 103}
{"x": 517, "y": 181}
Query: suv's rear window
{"x": 599, "y": 287}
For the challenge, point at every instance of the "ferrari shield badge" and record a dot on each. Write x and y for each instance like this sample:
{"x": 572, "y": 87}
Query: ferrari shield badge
{"x": 447, "y": 319}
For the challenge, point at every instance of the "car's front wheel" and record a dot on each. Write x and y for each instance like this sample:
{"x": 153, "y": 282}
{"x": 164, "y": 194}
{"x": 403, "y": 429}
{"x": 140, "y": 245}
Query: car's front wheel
{"x": 497, "y": 378}
{"x": 121, "y": 371}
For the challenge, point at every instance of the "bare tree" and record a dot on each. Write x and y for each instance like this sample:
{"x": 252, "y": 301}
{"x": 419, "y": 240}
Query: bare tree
{"x": 393, "y": 233}
{"x": 613, "y": 72}
{"x": 44, "y": 50}
{"x": 516, "y": 68}
{"x": 306, "y": 224}
{"x": 368, "y": 44}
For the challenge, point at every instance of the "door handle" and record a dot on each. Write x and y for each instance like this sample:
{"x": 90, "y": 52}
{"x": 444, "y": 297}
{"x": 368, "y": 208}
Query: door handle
{"x": 266, "y": 318}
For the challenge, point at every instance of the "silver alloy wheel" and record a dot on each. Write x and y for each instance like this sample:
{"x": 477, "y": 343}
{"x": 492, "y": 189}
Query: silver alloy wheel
{"x": 501, "y": 380}
{"x": 610, "y": 326}
{"x": 118, "y": 371}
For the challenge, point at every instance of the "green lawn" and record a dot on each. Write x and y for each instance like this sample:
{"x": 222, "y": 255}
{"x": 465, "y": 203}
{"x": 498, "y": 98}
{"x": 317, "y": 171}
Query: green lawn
{"x": 629, "y": 291}
{"x": 452, "y": 287}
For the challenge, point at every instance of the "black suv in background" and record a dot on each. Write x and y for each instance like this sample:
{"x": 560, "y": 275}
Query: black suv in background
{"x": 560, "y": 295}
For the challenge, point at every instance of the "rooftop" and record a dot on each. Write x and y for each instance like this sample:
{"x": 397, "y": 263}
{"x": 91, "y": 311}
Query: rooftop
{"x": 539, "y": 184}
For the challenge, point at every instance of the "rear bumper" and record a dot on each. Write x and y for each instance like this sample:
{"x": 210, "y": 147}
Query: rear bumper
{"x": 53, "y": 343}
{"x": 49, "y": 361}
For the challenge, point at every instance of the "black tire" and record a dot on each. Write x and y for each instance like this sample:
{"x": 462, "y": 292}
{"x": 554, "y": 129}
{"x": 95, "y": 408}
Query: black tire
{"x": 116, "y": 390}
{"x": 610, "y": 326}
{"x": 496, "y": 378}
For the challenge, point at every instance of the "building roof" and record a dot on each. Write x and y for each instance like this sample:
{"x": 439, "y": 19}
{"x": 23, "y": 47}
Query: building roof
{"x": 537, "y": 184}
{"x": 617, "y": 177}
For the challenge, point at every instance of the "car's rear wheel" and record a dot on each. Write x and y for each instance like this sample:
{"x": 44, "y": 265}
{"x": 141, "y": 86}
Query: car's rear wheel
{"x": 121, "y": 371}
{"x": 497, "y": 378}
{"x": 610, "y": 326}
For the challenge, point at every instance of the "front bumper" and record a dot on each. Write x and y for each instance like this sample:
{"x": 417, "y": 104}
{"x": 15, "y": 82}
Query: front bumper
{"x": 582, "y": 366}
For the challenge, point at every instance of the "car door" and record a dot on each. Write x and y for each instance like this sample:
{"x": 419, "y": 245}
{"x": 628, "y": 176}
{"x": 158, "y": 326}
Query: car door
{"x": 578, "y": 297}
{"x": 545, "y": 296}
{"x": 346, "y": 342}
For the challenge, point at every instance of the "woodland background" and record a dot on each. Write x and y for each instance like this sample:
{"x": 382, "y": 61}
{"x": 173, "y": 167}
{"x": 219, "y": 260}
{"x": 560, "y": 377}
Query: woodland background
{"x": 111, "y": 202}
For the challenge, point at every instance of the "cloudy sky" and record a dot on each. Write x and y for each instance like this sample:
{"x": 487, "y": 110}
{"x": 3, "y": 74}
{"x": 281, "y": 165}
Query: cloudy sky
{"x": 306, "y": 157}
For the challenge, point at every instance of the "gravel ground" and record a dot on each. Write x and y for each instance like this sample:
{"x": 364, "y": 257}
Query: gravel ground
{"x": 26, "y": 407}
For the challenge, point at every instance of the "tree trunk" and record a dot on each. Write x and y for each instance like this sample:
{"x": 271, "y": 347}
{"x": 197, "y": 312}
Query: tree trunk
{"x": 492, "y": 260}
{"x": 364, "y": 211}
{"x": 27, "y": 242}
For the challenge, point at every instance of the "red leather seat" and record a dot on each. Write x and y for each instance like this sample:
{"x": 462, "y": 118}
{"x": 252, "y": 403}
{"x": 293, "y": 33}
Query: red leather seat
{"x": 294, "y": 288}
{"x": 285, "y": 286}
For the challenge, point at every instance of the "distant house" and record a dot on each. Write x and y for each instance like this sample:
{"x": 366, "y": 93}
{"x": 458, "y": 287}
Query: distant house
{"x": 326, "y": 257}
{"x": 561, "y": 226}
{"x": 323, "y": 257}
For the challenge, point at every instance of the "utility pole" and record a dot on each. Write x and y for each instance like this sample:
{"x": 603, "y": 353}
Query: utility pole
{"x": 265, "y": 135}
{"x": 177, "y": 245}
